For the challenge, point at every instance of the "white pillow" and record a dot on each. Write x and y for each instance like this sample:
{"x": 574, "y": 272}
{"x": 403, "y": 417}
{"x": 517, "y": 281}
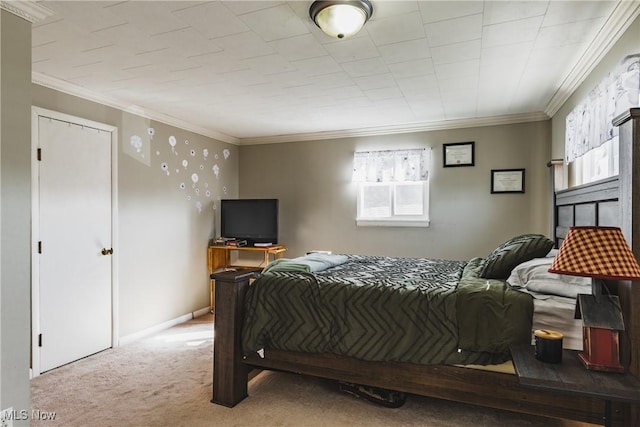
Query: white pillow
{"x": 534, "y": 276}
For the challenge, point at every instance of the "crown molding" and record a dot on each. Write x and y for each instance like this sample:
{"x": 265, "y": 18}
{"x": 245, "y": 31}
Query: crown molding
{"x": 75, "y": 90}
{"x": 29, "y": 10}
{"x": 397, "y": 129}
{"x": 617, "y": 23}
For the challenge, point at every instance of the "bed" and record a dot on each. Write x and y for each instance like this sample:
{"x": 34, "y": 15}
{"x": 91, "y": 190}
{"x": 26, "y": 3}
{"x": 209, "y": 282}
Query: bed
{"x": 386, "y": 309}
{"x": 608, "y": 203}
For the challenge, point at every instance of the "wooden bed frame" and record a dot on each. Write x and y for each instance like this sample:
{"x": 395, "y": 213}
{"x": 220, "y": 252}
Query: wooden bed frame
{"x": 608, "y": 202}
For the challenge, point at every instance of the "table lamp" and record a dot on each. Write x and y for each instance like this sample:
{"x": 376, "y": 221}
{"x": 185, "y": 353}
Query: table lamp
{"x": 602, "y": 254}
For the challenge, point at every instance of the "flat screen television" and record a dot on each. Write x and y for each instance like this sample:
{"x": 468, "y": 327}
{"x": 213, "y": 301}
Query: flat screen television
{"x": 253, "y": 220}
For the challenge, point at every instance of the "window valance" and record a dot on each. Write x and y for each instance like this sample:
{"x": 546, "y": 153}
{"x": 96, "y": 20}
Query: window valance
{"x": 391, "y": 165}
{"x": 589, "y": 124}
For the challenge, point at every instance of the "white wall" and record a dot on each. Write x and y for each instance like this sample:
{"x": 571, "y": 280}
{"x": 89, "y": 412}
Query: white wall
{"x": 15, "y": 205}
{"x": 164, "y": 228}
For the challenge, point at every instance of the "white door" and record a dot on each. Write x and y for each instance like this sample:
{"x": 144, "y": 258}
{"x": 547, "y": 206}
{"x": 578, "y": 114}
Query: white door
{"x": 75, "y": 238}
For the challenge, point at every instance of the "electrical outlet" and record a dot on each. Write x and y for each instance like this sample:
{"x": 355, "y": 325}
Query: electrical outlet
{"x": 6, "y": 418}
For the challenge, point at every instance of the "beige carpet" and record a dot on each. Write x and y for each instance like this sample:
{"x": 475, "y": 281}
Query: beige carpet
{"x": 165, "y": 380}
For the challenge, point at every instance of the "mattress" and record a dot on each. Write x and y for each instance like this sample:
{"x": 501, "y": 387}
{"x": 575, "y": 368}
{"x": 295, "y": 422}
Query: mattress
{"x": 554, "y": 298}
{"x": 557, "y": 313}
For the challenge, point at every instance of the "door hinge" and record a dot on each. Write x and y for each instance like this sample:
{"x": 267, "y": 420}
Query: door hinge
{"x": 39, "y": 154}
{"x": 40, "y": 247}
{"x": 39, "y": 340}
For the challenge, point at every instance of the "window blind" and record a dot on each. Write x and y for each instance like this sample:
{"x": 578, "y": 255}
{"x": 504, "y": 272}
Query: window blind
{"x": 391, "y": 165}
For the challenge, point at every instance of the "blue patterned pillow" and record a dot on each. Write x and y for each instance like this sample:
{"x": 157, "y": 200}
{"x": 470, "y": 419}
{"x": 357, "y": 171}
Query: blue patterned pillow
{"x": 515, "y": 251}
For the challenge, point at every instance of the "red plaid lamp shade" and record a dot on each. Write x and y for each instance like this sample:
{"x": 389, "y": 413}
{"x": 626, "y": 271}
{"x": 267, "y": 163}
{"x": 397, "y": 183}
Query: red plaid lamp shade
{"x": 599, "y": 252}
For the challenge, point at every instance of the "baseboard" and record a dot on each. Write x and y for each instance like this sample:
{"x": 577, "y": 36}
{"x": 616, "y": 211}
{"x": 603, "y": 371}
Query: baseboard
{"x": 201, "y": 312}
{"x": 162, "y": 326}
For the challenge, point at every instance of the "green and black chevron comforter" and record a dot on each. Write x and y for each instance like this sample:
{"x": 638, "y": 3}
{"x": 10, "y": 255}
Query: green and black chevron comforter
{"x": 424, "y": 311}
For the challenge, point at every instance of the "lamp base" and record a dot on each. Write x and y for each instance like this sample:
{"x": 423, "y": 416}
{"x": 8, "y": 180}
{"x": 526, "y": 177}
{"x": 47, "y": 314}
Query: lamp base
{"x": 595, "y": 366}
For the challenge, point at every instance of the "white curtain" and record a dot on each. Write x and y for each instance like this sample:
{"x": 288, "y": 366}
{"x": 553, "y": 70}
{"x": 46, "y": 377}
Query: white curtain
{"x": 391, "y": 165}
{"x": 589, "y": 124}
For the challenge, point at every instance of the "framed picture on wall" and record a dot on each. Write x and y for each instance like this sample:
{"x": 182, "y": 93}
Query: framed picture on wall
{"x": 458, "y": 154}
{"x": 507, "y": 181}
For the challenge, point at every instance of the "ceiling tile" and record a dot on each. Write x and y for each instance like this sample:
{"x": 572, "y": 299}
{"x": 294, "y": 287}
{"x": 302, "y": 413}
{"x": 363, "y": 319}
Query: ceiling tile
{"x": 331, "y": 80}
{"x": 454, "y": 30}
{"x": 242, "y": 7}
{"x": 565, "y": 12}
{"x": 212, "y": 20}
{"x": 571, "y": 33}
{"x": 244, "y": 45}
{"x": 352, "y": 49}
{"x": 506, "y": 53}
{"x": 128, "y": 37}
{"x": 187, "y": 42}
{"x": 419, "y": 67}
{"x": 275, "y": 23}
{"x": 459, "y": 84}
{"x": 391, "y": 8}
{"x": 454, "y": 70}
{"x": 84, "y": 15}
{"x": 384, "y": 93}
{"x": 511, "y": 32}
{"x": 379, "y": 81}
{"x": 219, "y": 62}
{"x": 342, "y": 93}
{"x": 398, "y": 28}
{"x": 436, "y": 11}
{"x": 458, "y": 106}
{"x": 405, "y": 51}
{"x": 456, "y": 52}
{"x": 426, "y": 110}
{"x": 317, "y": 66}
{"x": 365, "y": 67}
{"x": 419, "y": 87}
{"x": 245, "y": 78}
{"x": 498, "y": 12}
{"x": 270, "y": 64}
{"x": 149, "y": 20}
{"x": 300, "y": 47}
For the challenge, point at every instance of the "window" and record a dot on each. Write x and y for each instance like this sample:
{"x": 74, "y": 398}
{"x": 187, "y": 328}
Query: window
{"x": 601, "y": 162}
{"x": 591, "y": 139}
{"x": 393, "y": 188}
{"x": 598, "y": 163}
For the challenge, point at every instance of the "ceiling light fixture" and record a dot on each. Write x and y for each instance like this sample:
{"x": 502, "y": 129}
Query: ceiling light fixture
{"x": 340, "y": 19}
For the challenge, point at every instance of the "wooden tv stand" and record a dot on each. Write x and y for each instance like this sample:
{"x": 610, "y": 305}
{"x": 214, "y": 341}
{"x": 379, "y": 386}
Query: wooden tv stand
{"x": 219, "y": 257}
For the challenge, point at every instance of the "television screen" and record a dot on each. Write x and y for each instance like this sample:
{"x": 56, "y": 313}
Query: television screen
{"x": 253, "y": 220}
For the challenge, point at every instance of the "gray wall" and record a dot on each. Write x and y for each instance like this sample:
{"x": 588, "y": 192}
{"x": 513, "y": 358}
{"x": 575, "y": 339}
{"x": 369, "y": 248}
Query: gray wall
{"x": 163, "y": 232}
{"x": 15, "y": 206}
{"x": 628, "y": 44}
{"x": 318, "y": 200}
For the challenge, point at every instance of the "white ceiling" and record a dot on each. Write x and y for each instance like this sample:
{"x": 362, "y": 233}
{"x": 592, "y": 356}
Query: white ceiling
{"x": 261, "y": 71}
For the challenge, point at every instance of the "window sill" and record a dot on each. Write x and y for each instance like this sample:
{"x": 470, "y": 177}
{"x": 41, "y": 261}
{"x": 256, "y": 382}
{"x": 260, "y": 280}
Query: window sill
{"x": 361, "y": 222}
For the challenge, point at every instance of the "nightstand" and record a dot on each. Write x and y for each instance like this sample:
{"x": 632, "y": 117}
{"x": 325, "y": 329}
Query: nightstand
{"x": 571, "y": 377}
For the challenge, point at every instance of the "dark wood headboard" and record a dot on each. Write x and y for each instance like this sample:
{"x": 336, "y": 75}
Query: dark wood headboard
{"x": 590, "y": 204}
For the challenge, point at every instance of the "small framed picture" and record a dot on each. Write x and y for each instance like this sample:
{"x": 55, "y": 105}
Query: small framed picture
{"x": 458, "y": 154}
{"x": 507, "y": 180}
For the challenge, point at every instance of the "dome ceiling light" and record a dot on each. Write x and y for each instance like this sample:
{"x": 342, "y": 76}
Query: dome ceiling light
{"x": 340, "y": 19}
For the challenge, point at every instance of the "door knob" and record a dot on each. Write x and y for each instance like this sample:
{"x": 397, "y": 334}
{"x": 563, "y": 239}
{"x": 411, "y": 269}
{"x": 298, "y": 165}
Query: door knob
{"x": 106, "y": 251}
